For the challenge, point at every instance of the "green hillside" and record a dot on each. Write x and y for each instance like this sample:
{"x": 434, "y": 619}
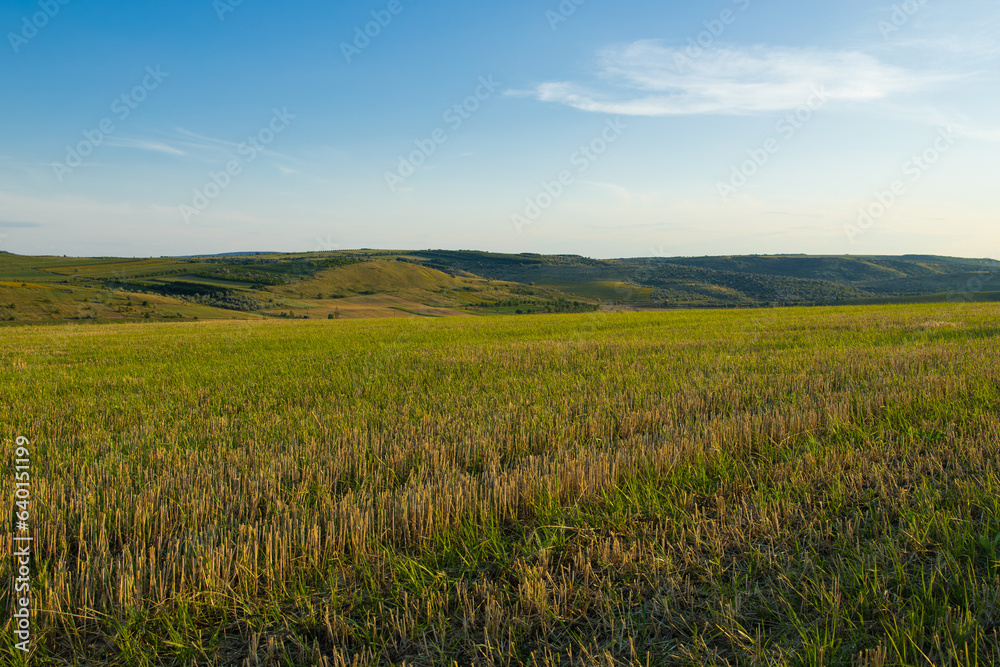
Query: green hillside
{"x": 400, "y": 283}
{"x": 341, "y": 285}
{"x": 751, "y": 280}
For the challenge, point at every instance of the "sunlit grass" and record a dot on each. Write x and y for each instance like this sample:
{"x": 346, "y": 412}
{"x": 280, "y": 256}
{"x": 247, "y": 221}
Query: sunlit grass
{"x": 770, "y": 487}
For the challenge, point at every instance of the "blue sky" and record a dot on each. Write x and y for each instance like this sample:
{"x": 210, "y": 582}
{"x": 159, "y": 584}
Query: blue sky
{"x": 632, "y": 128}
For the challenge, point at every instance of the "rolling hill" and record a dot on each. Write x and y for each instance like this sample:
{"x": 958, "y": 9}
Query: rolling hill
{"x": 433, "y": 283}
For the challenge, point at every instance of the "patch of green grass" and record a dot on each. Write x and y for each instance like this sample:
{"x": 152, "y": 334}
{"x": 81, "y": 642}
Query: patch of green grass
{"x": 805, "y": 486}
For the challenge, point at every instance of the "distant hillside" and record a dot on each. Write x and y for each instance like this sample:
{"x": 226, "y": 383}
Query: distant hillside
{"x": 750, "y": 280}
{"x": 329, "y": 285}
{"x": 430, "y": 283}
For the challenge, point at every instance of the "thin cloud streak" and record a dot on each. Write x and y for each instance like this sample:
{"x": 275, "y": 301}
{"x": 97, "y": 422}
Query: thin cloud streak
{"x": 7, "y": 224}
{"x": 141, "y": 144}
{"x": 648, "y": 79}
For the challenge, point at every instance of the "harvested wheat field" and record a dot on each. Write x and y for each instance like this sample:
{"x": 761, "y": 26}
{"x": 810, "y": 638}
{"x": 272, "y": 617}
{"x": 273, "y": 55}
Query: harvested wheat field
{"x": 814, "y": 486}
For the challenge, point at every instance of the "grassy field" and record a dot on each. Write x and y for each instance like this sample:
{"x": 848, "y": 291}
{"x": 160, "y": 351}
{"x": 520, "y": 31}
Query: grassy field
{"x": 813, "y": 486}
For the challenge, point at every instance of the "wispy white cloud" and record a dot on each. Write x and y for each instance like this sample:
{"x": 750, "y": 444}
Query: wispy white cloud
{"x": 979, "y": 133}
{"x": 7, "y": 224}
{"x": 204, "y": 143}
{"x": 142, "y": 144}
{"x": 646, "y": 78}
{"x": 618, "y": 191}
{"x": 202, "y": 140}
{"x": 970, "y": 48}
{"x": 959, "y": 123}
{"x": 183, "y": 142}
